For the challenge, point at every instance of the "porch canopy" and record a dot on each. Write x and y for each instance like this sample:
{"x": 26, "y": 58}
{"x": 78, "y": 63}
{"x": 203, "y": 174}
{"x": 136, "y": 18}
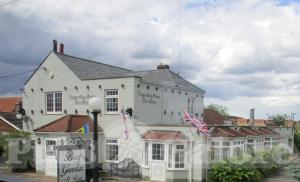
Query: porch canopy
{"x": 164, "y": 135}
{"x": 68, "y": 123}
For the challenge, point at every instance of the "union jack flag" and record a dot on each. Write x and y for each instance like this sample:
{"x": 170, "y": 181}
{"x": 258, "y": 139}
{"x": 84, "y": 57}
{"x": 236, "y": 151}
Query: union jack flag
{"x": 200, "y": 125}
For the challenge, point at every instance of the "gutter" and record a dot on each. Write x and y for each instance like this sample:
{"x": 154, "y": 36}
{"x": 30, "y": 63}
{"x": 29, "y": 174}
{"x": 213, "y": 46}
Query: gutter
{"x": 10, "y": 124}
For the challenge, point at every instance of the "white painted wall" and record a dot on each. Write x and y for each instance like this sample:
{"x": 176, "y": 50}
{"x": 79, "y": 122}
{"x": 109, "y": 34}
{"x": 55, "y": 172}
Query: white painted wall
{"x": 66, "y": 137}
{"x": 166, "y": 99}
{"x": 144, "y": 113}
{"x": 172, "y": 100}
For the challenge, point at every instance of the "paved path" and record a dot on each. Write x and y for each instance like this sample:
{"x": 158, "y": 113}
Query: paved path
{"x": 10, "y": 178}
{"x": 285, "y": 175}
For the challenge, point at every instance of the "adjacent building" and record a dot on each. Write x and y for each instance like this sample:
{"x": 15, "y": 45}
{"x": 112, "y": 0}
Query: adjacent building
{"x": 9, "y": 108}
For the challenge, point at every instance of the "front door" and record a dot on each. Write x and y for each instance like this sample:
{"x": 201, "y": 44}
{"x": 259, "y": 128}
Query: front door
{"x": 158, "y": 164}
{"x": 51, "y": 160}
{"x": 158, "y": 170}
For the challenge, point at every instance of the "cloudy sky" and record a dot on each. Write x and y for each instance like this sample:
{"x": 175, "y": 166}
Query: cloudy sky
{"x": 245, "y": 54}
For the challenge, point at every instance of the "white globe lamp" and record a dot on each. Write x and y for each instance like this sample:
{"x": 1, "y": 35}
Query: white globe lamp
{"x": 95, "y": 104}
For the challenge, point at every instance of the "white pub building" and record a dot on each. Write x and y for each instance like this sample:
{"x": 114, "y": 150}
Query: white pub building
{"x": 56, "y": 97}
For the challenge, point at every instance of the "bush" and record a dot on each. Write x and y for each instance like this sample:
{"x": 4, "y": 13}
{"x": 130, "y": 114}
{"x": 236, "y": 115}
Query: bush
{"x": 297, "y": 140}
{"x": 228, "y": 171}
{"x": 263, "y": 161}
{"x": 248, "y": 168}
{"x": 25, "y": 158}
{"x": 14, "y": 134}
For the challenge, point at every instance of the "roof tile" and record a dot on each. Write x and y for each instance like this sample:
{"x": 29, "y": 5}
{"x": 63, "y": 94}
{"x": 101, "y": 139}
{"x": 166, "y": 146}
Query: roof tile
{"x": 91, "y": 70}
{"x": 8, "y": 104}
{"x": 212, "y": 117}
{"x": 68, "y": 123}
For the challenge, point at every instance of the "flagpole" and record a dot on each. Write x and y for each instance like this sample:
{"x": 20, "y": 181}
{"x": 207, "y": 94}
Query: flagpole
{"x": 206, "y": 158}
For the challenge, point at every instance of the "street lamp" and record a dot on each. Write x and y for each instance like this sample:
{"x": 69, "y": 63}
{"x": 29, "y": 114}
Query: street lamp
{"x": 95, "y": 107}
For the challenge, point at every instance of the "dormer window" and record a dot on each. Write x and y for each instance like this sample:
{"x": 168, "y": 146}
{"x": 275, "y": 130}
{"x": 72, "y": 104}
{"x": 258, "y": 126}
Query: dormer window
{"x": 112, "y": 101}
{"x": 53, "y": 103}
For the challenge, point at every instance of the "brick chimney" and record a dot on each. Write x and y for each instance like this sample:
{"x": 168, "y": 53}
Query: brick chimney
{"x": 163, "y": 66}
{"x": 61, "y": 48}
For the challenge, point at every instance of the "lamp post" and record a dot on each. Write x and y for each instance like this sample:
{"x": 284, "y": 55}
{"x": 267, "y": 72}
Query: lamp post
{"x": 95, "y": 107}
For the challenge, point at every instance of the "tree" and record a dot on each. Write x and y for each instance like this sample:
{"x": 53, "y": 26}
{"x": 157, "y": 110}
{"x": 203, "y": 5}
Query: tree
{"x": 223, "y": 110}
{"x": 278, "y": 119}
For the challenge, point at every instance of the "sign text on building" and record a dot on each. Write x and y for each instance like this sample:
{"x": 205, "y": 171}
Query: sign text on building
{"x": 81, "y": 99}
{"x": 148, "y": 98}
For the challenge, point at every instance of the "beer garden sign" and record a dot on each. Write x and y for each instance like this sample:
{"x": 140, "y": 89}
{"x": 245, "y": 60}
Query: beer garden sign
{"x": 71, "y": 163}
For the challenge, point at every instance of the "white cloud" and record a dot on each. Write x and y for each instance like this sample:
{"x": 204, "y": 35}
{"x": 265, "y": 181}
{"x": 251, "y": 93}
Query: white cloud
{"x": 235, "y": 50}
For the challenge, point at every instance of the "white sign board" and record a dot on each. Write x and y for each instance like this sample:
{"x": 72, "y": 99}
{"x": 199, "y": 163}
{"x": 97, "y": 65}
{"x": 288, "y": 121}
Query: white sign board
{"x": 71, "y": 164}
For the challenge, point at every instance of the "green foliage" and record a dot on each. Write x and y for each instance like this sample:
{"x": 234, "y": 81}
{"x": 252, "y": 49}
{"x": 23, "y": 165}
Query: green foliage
{"x": 279, "y": 119}
{"x": 220, "y": 109}
{"x": 14, "y": 134}
{"x": 228, "y": 171}
{"x": 280, "y": 154}
{"x": 264, "y": 162}
{"x": 297, "y": 140}
{"x": 247, "y": 168}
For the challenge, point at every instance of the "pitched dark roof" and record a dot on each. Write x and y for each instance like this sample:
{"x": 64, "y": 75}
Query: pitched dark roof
{"x": 68, "y": 123}
{"x": 11, "y": 117}
{"x": 91, "y": 70}
{"x": 167, "y": 78}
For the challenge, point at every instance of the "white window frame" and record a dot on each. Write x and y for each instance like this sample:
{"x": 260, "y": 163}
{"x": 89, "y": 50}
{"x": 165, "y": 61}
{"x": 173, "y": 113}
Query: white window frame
{"x": 54, "y": 102}
{"x": 50, "y": 149}
{"x": 237, "y": 148}
{"x": 191, "y": 105}
{"x": 111, "y": 142}
{"x": 225, "y": 156}
{"x": 218, "y": 148}
{"x": 111, "y": 97}
{"x": 160, "y": 153}
{"x": 217, "y": 154}
{"x": 179, "y": 152}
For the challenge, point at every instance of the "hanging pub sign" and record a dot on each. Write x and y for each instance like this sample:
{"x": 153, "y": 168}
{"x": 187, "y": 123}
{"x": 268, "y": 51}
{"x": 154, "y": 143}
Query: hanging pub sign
{"x": 71, "y": 163}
